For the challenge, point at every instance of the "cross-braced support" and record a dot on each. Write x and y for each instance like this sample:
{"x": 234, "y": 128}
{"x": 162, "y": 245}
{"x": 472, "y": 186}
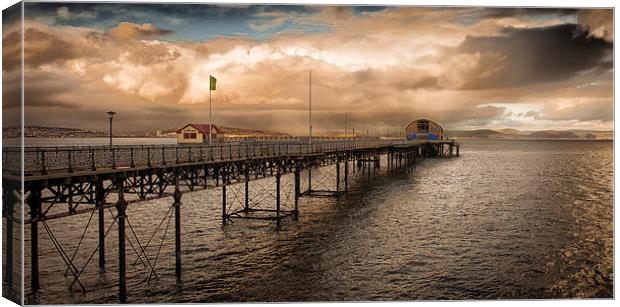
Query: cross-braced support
{"x": 258, "y": 198}
{"x": 322, "y": 185}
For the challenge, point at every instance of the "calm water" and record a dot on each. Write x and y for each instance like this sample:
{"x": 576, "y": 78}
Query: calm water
{"x": 507, "y": 219}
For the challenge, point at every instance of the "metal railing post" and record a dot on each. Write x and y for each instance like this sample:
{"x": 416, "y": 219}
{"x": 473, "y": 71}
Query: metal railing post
{"x": 69, "y": 152}
{"x": 132, "y": 165}
{"x": 43, "y": 169}
{"x": 93, "y": 166}
{"x": 148, "y": 156}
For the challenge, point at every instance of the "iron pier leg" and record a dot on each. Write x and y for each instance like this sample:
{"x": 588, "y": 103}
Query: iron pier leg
{"x": 346, "y": 175}
{"x": 121, "y": 206}
{"x": 8, "y": 201}
{"x": 177, "y": 228}
{"x": 101, "y": 214}
{"x": 35, "y": 210}
{"x": 142, "y": 193}
{"x": 457, "y": 150}
{"x": 297, "y": 189}
{"x": 375, "y": 166}
{"x": 278, "y": 198}
{"x": 309, "y": 179}
{"x": 247, "y": 190}
{"x": 337, "y": 176}
{"x": 224, "y": 203}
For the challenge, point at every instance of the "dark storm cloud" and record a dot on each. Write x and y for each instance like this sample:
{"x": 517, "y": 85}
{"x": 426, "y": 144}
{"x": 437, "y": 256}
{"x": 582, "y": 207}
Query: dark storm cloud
{"x": 525, "y": 56}
{"x": 11, "y": 50}
{"x": 108, "y": 14}
{"x": 48, "y": 89}
{"x": 42, "y": 48}
{"x": 12, "y": 14}
{"x": 519, "y": 11}
{"x": 597, "y": 23}
{"x": 38, "y": 92}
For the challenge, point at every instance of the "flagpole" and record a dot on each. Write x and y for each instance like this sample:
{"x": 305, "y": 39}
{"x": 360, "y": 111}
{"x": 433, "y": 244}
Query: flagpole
{"x": 210, "y": 118}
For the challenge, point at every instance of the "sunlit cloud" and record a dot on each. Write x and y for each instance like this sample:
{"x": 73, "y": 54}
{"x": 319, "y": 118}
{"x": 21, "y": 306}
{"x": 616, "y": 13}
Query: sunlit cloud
{"x": 464, "y": 67}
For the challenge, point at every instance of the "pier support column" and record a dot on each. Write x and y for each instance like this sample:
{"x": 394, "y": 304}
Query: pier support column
{"x": 457, "y": 150}
{"x": 177, "y": 228}
{"x": 224, "y": 204}
{"x": 309, "y": 178}
{"x": 246, "y": 205}
{"x": 346, "y": 175}
{"x": 278, "y": 198}
{"x": 297, "y": 188}
{"x": 142, "y": 193}
{"x": 100, "y": 195}
{"x": 337, "y": 176}
{"x": 8, "y": 202}
{"x": 121, "y": 206}
{"x": 35, "y": 211}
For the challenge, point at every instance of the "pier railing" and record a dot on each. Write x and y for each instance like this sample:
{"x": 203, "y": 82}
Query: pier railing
{"x": 68, "y": 159}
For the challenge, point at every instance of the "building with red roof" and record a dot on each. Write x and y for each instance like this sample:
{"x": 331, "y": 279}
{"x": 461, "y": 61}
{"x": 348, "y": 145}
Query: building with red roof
{"x": 196, "y": 133}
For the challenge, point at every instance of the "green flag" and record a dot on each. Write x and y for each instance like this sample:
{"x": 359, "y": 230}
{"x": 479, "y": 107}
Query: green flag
{"x": 212, "y": 81}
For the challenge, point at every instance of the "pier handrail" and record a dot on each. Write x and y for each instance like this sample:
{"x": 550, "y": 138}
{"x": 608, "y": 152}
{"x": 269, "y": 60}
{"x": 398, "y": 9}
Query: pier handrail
{"x": 68, "y": 159}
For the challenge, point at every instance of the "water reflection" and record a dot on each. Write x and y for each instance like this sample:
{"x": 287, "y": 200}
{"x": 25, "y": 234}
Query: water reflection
{"x": 508, "y": 219}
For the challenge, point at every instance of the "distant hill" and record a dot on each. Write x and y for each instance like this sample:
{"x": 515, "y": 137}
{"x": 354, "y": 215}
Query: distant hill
{"x": 517, "y": 134}
{"x": 477, "y": 134}
{"x": 34, "y": 131}
{"x": 552, "y": 134}
{"x": 233, "y": 131}
{"x": 510, "y": 131}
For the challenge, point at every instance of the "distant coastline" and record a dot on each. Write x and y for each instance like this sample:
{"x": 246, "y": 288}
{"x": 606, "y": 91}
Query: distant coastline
{"x": 34, "y": 131}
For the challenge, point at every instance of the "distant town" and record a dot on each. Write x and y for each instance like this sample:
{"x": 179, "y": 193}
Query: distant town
{"x": 35, "y": 131}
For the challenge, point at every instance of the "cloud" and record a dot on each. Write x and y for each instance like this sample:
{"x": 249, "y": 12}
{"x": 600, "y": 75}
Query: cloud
{"x": 63, "y": 12}
{"x": 127, "y": 31}
{"x": 597, "y": 23}
{"x": 581, "y": 109}
{"x": 522, "y": 57}
{"x": 461, "y": 66}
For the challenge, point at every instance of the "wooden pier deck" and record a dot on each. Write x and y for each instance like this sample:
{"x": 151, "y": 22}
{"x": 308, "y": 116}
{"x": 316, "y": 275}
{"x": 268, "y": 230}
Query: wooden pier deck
{"x": 58, "y": 182}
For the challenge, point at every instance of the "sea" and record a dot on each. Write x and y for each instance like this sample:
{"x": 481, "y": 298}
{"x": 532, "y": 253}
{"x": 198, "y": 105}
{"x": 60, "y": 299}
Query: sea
{"x": 522, "y": 219}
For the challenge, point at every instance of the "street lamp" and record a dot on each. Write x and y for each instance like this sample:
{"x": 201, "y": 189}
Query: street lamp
{"x": 111, "y": 116}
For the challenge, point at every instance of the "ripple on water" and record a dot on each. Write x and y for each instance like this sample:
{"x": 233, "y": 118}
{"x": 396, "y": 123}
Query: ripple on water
{"x": 508, "y": 219}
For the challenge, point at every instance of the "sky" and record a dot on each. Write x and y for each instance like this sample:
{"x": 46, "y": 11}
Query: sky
{"x": 380, "y": 67}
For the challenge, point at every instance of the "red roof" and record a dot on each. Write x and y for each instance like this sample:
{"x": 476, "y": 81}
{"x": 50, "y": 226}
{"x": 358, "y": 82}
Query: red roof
{"x": 202, "y": 128}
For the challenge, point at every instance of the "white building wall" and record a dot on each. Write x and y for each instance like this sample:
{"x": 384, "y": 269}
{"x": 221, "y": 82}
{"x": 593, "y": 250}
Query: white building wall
{"x": 189, "y": 129}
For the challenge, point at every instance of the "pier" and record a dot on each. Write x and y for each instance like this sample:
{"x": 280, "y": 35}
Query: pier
{"x": 258, "y": 180}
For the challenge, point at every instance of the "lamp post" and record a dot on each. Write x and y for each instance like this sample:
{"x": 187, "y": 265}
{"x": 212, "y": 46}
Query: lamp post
{"x": 111, "y": 116}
